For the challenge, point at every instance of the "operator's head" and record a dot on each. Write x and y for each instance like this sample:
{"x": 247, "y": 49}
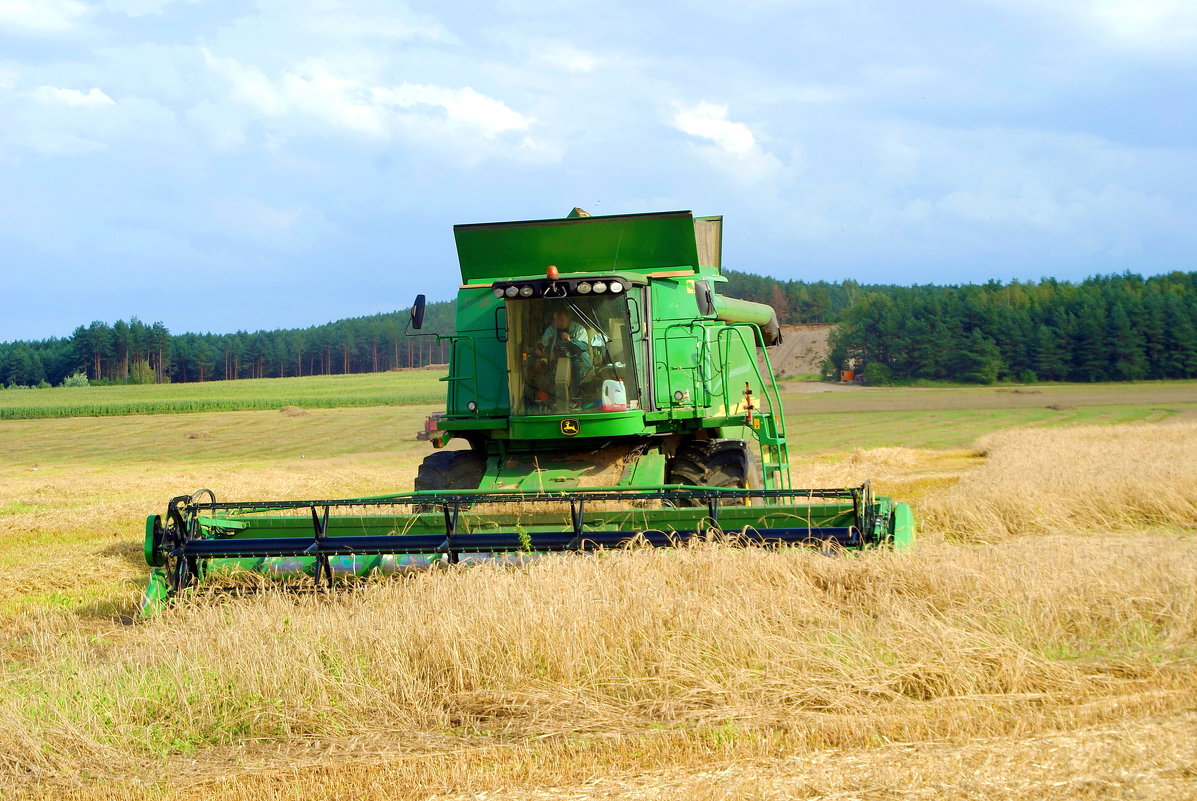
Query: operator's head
{"x": 561, "y": 318}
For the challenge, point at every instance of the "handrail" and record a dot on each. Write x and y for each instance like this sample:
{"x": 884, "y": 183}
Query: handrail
{"x": 769, "y": 389}
{"x": 698, "y": 377}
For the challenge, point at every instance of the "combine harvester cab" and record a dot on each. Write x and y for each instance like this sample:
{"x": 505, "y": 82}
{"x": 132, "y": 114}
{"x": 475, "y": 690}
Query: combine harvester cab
{"x": 600, "y": 393}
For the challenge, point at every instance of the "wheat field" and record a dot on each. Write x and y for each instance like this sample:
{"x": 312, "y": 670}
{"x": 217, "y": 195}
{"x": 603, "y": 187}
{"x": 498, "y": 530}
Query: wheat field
{"x": 1041, "y": 642}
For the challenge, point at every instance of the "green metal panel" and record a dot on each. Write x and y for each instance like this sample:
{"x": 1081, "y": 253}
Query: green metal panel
{"x": 647, "y": 471}
{"x": 566, "y": 468}
{"x": 587, "y": 426}
{"x": 469, "y": 422}
{"x": 674, "y": 299}
{"x": 904, "y": 528}
{"x": 478, "y": 360}
{"x": 623, "y": 242}
{"x": 156, "y": 594}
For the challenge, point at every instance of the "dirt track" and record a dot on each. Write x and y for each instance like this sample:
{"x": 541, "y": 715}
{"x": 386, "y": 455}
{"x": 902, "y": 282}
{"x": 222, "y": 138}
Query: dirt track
{"x": 823, "y": 396}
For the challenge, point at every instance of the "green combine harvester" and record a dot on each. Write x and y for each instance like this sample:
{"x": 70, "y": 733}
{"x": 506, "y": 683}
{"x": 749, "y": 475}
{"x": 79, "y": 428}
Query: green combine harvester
{"x": 601, "y": 393}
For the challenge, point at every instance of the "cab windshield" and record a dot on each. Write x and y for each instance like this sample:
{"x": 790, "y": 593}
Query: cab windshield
{"x": 571, "y": 356}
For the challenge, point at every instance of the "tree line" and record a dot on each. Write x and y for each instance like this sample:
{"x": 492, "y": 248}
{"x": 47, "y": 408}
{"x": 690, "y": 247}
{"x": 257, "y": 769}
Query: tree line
{"x": 1107, "y": 328}
{"x": 800, "y": 302}
{"x": 139, "y": 353}
{"x": 136, "y": 352}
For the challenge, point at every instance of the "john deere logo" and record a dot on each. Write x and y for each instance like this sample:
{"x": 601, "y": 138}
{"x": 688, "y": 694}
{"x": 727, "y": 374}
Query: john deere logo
{"x": 570, "y": 427}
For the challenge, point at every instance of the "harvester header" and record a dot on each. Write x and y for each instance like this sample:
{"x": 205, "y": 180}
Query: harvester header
{"x": 600, "y": 393}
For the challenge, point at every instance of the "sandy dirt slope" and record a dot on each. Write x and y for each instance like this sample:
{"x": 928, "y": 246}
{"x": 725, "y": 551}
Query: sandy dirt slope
{"x": 802, "y": 349}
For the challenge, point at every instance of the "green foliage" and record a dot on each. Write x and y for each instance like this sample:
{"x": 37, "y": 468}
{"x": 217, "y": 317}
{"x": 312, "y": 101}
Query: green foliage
{"x": 980, "y": 359}
{"x": 75, "y": 379}
{"x": 798, "y": 302}
{"x": 1108, "y": 328}
{"x": 111, "y": 354}
{"x": 140, "y": 372}
{"x": 524, "y": 537}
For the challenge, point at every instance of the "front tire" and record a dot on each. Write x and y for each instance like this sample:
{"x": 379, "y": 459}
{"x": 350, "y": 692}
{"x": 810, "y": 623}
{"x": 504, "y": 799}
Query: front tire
{"x": 720, "y": 463}
{"x": 451, "y": 470}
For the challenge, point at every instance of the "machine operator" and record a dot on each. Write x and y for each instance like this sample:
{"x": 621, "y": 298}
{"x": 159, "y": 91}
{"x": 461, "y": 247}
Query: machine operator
{"x": 565, "y": 336}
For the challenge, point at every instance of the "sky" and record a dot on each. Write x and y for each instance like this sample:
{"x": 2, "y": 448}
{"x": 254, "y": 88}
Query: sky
{"x": 252, "y": 165}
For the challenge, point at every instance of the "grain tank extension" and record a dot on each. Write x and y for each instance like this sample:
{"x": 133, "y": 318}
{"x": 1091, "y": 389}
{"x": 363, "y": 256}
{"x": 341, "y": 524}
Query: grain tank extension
{"x": 600, "y": 392}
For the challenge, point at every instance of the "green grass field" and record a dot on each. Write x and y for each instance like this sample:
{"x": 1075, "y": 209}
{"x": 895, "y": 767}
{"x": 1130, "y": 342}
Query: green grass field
{"x": 397, "y": 388}
{"x": 828, "y": 419}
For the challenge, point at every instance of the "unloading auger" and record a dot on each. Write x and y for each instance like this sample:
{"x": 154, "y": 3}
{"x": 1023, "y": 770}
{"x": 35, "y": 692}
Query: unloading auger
{"x": 601, "y": 394}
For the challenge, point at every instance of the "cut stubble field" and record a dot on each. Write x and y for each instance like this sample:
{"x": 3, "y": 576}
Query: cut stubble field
{"x": 1041, "y": 643}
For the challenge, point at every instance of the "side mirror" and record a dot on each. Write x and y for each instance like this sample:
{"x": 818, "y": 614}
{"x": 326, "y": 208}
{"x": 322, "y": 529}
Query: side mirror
{"x": 705, "y": 298}
{"x": 417, "y": 313}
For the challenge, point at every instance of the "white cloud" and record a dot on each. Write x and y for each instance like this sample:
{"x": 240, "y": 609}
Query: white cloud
{"x": 308, "y": 90}
{"x": 54, "y": 121}
{"x": 733, "y": 146}
{"x": 312, "y": 90}
{"x": 55, "y": 96}
{"x": 41, "y": 15}
{"x": 487, "y": 114}
{"x": 249, "y": 84}
{"x": 709, "y": 121}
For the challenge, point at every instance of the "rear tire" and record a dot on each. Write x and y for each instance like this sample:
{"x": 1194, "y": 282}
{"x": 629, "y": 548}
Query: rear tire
{"x": 720, "y": 463}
